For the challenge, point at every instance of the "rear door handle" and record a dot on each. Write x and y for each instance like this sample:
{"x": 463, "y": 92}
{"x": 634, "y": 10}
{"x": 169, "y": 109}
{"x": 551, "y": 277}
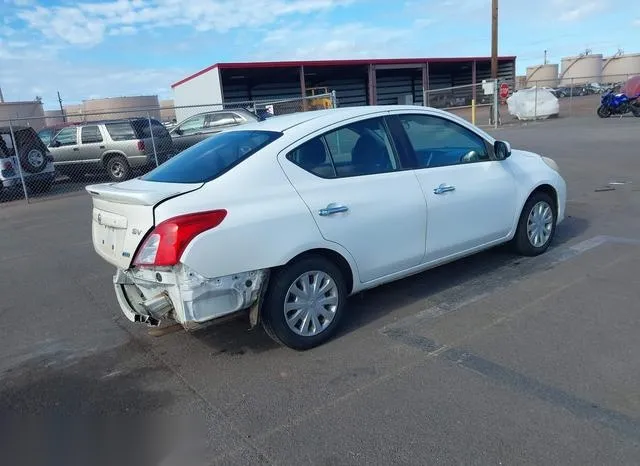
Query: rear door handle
{"x": 75, "y": 149}
{"x": 101, "y": 147}
{"x": 333, "y": 208}
{"x": 444, "y": 188}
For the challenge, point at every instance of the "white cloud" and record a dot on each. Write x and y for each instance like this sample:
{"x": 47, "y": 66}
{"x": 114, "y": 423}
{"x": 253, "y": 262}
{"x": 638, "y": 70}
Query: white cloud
{"x": 89, "y": 23}
{"x": 353, "y": 40}
{"x": 578, "y": 10}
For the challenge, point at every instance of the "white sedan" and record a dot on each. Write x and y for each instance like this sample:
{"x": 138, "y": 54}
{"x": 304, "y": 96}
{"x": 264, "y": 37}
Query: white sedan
{"x": 285, "y": 218}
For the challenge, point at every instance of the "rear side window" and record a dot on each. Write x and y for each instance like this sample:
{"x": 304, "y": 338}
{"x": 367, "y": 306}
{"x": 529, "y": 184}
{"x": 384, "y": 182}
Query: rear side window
{"x": 212, "y": 157}
{"x": 357, "y": 149}
{"x": 120, "y": 131}
{"x": 90, "y": 134}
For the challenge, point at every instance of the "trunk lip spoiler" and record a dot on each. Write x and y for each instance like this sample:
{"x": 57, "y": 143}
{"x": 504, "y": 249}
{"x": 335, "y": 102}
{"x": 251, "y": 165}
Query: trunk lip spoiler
{"x": 135, "y": 195}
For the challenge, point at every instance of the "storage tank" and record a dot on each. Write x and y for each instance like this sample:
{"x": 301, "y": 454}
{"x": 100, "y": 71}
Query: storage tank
{"x": 121, "y": 107}
{"x": 582, "y": 69}
{"x": 620, "y": 67}
{"x": 542, "y": 75}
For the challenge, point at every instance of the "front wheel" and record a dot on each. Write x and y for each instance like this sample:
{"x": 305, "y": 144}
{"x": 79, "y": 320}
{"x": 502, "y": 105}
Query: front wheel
{"x": 304, "y": 303}
{"x": 537, "y": 225}
{"x": 604, "y": 111}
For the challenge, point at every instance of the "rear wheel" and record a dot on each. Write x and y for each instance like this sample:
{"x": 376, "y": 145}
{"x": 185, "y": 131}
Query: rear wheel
{"x": 604, "y": 111}
{"x": 537, "y": 225}
{"x": 635, "y": 109}
{"x": 32, "y": 159}
{"x": 304, "y": 303}
{"x": 118, "y": 168}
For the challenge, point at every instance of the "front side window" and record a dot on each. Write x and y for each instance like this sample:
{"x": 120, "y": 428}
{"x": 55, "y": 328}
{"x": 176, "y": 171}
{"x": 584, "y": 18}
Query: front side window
{"x": 439, "y": 142}
{"x": 361, "y": 148}
{"x": 192, "y": 125}
{"x": 90, "y": 134}
{"x": 212, "y": 157}
{"x": 67, "y": 137}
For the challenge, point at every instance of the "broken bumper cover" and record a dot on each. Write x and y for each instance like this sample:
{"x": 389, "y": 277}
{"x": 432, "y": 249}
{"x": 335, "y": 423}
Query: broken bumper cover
{"x": 179, "y": 293}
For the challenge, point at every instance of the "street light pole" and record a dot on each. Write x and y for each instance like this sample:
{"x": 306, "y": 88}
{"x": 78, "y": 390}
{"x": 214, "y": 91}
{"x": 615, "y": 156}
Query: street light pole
{"x": 494, "y": 39}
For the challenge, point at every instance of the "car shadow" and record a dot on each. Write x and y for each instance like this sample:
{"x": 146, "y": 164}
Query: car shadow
{"x": 478, "y": 273}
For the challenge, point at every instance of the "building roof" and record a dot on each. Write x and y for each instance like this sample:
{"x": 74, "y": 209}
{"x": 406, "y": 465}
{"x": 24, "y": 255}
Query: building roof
{"x": 329, "y": 63}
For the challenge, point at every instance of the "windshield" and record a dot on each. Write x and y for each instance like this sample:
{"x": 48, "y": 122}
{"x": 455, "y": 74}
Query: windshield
{"x": 212, "y": 157}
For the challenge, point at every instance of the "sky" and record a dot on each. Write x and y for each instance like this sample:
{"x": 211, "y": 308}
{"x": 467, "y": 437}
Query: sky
{"x": 109, "y": 48}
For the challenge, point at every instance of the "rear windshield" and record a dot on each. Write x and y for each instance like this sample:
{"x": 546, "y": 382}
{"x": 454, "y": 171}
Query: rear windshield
{"x": 212, "y": 157}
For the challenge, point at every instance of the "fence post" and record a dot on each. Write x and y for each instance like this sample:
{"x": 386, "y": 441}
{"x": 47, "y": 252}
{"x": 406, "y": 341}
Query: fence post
{"x": 571, "y": 97}
{"x": 334, "y": 99}
{"x": 153, "y": 140}
{"x": 15, "y": 150}
{"x": 535, "y": 104}
{"x": 496, "y": 103}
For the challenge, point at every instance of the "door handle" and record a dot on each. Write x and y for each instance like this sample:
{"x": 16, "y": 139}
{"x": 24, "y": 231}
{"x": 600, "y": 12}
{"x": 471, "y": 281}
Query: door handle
{"x": 444, "y": 188}
{"x": 333, "y": 208}
{"x": 101, "y": 147}
{"x": 75, "y": 149}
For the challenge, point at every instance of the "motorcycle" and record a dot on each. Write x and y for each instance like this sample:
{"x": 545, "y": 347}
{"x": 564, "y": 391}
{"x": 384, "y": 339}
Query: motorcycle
{"x": 618, "y": 104}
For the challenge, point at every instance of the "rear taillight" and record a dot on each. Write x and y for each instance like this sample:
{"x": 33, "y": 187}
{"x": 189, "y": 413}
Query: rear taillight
{"x": 6, "y": 168}
{"x": 167, "y": 241}
{"x": 141, "y": 146}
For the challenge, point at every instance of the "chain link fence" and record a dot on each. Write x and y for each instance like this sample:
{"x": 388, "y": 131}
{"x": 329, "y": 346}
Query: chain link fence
{"x": 577, "y": 96}
{"x": 39, "y": 159}
{"x": 473, "y": 102}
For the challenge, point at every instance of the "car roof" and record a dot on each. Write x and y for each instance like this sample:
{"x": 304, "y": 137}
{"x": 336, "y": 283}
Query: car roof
{"x": 313, "y": 120}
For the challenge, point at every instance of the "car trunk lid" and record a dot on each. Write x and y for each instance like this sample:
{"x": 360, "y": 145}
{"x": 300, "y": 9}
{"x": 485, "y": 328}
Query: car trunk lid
{"x": 123, "y": 213}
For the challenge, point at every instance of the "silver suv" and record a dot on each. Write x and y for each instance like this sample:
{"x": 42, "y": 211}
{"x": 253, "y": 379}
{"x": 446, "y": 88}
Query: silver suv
{"x": 117, "y": 146}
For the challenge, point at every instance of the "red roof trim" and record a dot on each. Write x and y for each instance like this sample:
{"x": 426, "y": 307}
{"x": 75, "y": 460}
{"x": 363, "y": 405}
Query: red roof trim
{"x": 379, "y": 61}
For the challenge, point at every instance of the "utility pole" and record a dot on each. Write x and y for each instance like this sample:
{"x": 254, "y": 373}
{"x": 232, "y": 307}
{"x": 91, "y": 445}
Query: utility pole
{"x": 64, "y": 118}
{"x": 494, "y": 39}
{"x": 1, "y": 97}
{"x": 545, "y": 57}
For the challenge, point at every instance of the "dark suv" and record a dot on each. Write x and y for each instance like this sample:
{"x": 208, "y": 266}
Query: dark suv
{"x": 117, "y": 146}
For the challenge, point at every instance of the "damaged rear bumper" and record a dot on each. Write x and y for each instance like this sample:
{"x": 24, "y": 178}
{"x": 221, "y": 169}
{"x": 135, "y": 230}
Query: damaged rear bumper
{"x": 180, "y": 294}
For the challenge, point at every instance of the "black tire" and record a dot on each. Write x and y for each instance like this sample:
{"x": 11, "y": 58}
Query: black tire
{"x": 604, "y": 112}
{"x": 118, "y": 168}
{"x": 635, "y": 109}
{"x": 521, "y": 242}
{"x": 273, "y": 309}
{"x": 32, "y": 158}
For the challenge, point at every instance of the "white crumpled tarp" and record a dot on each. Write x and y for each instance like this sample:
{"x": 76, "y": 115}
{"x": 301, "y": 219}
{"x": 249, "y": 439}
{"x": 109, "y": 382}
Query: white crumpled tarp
{"x": 533, "y": 104}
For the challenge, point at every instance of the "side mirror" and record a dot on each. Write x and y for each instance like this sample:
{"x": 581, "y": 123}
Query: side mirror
{"x": 502, "y": 149}
{"x": 55, "y": 144}
{"x": 177, "y": 131}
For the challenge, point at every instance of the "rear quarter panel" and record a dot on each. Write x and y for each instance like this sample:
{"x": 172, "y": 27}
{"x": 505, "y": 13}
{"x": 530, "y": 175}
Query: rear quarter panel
{"x": 267, "y": 223}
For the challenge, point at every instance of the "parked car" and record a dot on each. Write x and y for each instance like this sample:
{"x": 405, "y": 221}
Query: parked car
{"x": 199, "y": 127}
{"x": 287, "y": 217}
{"x": 32, "y": 160}
{"x": 117, "y": 146}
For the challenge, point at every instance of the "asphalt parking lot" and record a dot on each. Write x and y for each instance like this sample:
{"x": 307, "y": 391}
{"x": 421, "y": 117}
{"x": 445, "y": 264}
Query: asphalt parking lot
{"x": 495, "y": 359}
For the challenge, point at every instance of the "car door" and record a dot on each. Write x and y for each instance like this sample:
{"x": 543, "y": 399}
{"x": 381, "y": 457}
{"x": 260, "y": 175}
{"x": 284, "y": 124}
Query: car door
{"x": 189, "y": 132}
{"x": 64, "y": 145}
{"x": 360, "y": 197}
{"x": 91, "y": 143}
{"x": 471, "y": 197}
